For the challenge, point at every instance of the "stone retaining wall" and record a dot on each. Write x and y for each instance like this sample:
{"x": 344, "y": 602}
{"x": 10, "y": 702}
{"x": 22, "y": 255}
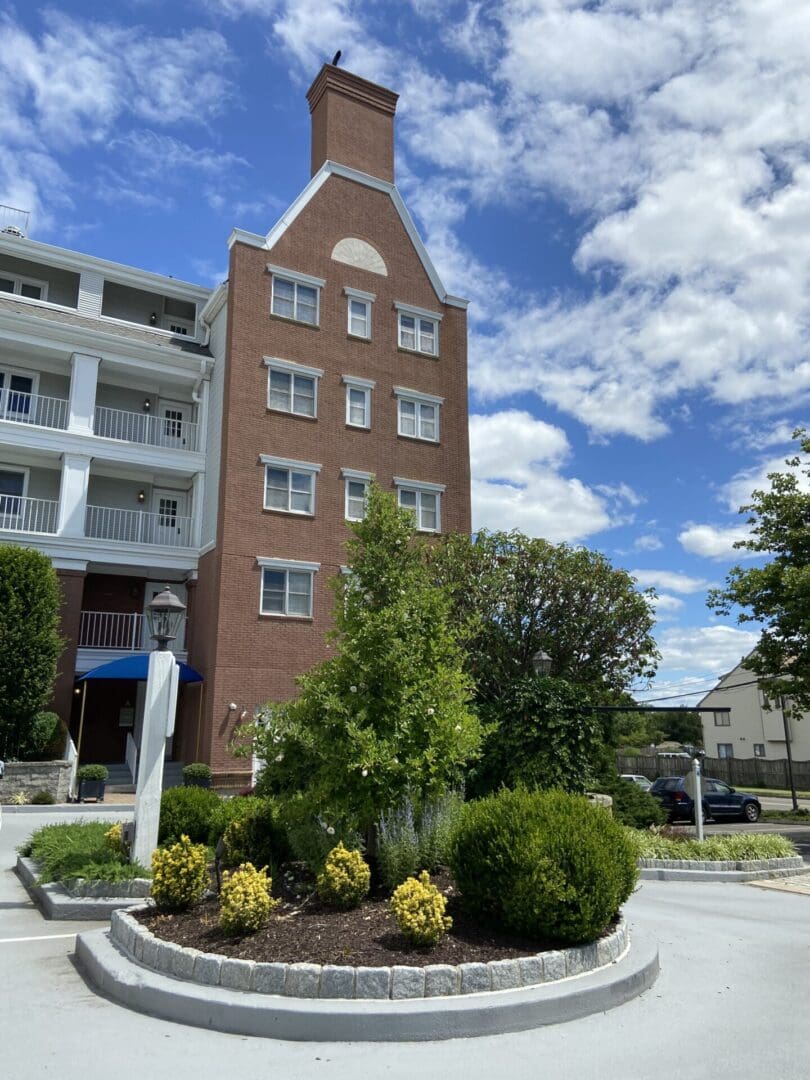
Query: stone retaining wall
{"x": 707, "y": 865}
{"x": 30, "y": 777}
{"x": 333, "y": 981}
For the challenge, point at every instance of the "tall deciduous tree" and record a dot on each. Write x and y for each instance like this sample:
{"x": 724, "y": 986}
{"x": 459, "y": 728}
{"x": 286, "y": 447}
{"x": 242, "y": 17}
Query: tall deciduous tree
{"x": 777, "y": 595}
{"x": 29, "y": 642}
{"x": 390, "y": 713}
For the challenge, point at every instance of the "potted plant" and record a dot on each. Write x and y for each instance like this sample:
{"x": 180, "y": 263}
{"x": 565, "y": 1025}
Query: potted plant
{"x": 92, "y": 780}
{"x": 197, "y": 774}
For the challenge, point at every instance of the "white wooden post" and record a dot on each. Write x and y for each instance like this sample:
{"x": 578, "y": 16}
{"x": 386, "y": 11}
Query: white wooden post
{"x": 158, "y": 722}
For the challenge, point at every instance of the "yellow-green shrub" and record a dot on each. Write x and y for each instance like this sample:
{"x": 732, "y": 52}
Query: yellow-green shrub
{"x": 245, "y": 902}
{"x": 419, "y": 908}
{"x": 114, "y": 839}
{"x": 345, "y": 878}
{"x": 179, "y": 875}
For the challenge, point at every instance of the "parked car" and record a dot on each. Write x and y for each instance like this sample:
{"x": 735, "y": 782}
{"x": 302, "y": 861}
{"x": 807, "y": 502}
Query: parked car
{"x": 642, "y": 781}
{"x": 719, "y": 800}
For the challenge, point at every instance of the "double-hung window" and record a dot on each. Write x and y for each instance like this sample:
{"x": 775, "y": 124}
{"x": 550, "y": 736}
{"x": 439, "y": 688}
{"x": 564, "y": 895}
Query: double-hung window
{"x": 358, "y": 401}
{"x": 31, "y": 288}
{"x": 287, "y": 587}
{"x": 13, "y": 485}
{"x": 289, "y": 486}
{"x": 356, "y": 493}
{"x": 296, "y": 296}
{"x": 418, "y": 414}
{"x": 725, "y": 750}
{"x": 418, "y": 330}
{"x": 359, "y": 312}
{"x": 722, "y": 719}
{"x": 17, "y": 396}
{"x": 424, "y": 500}
{"x": 292, "y": 388}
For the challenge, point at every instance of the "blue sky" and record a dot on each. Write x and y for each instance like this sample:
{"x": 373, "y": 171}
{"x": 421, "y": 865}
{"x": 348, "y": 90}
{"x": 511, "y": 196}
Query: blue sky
{"x": 622, "y": 188}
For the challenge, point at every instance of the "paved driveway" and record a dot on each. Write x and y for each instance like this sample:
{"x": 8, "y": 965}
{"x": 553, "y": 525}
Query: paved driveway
{"x": 734, "y": 962}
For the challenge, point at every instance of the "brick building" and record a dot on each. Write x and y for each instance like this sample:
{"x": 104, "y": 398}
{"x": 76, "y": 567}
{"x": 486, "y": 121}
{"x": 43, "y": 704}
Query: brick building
{"x": 331, "y": 355}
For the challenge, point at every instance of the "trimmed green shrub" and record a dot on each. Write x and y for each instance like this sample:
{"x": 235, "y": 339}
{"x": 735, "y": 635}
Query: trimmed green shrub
{"x": 345, "y": 879}
{"x": 256, "y": 836}
{"x": 245, "y": 903}
{"x": 179, "y": 875}
{"x": 544, "y": 863}
{"x": 42, "y": 798}
{"x": 186, "y": 811}
{"x": 197, "y": 773}
{"x": 632, "y": 805}
{"x": 46, "y": 738}
{"x": 419, "y": 908}
{"x": 92, "y": 772}
{"x": 225, "y": 812}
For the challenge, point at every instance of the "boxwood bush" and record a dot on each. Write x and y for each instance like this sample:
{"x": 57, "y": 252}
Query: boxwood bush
{"x": 542, "y": 863}
{"x": 254, "y": 834}
{"x": 632, "y": 805}
{"x": 186, "y": 811}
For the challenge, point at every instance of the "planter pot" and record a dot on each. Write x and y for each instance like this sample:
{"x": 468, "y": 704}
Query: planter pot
{"x": 197, "y": 781}
{"x": 92, "y": 789}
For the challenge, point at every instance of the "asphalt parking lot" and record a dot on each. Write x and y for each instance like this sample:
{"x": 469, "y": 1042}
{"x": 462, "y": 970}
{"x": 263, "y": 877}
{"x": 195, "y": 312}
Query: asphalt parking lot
{"x": 734, "y": 962}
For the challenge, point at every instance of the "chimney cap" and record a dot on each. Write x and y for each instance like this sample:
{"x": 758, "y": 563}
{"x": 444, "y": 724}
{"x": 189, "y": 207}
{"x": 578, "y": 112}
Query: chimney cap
{"x": 351, "y": 86}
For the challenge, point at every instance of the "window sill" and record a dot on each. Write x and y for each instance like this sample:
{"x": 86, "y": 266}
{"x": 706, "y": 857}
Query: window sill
{"x": 294, "y": 415}
{"x": 359, "y": 337}
{"x": 288, "y": 513}
{"x": 419, "y": 439}
{"x": 358, "y": 427}
{"x": 294, "y": 322}
{"x": 418, "y": 352}
{"x": 279, "y": 615}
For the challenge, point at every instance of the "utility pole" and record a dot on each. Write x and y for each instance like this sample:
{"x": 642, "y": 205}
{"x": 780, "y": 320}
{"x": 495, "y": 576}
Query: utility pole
{"x": 789, "y": 753}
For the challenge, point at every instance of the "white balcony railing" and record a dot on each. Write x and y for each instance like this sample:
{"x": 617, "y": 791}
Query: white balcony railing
{"x": 111, "y": 630}
{"x": 170, "y": 432}
{"x": 20, "y": 514}
{"x": 137, "y": 527}
{"x": 34, "y": 409}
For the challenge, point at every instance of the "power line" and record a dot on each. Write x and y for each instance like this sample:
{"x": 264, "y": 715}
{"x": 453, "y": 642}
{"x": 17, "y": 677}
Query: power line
{"x": 694, "y": 693}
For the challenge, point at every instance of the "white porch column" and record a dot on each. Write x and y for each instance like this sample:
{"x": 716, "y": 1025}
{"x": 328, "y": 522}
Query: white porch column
{"x": 73, "y": 495}
{"x": 197, "y": 496}
{"x": 158, "y": 722}
{"x": 83, "y": 379}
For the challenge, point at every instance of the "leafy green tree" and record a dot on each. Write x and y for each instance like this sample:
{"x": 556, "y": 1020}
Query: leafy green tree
{"x": 777, "y": 595}
{"x": 517, "y": 596}
{"x": 29, "y": 644}
{"x": 390, "y": 713}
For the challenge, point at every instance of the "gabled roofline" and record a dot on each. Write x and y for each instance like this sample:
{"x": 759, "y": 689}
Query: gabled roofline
{"x": 332, "y": 168}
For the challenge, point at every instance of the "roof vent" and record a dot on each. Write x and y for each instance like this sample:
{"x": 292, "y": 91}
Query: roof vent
{"x": 14, "y": 222}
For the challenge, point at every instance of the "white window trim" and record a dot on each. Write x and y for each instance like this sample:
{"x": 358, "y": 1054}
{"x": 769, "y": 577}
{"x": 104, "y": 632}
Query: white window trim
{"x": 26, "y": 474}
{"x": 421, "y": 487}
{"x": 360, "y": 297}
{"x": 366, "y": 386}
{"x": 297, "y": 279}
{"x": 417, "y": 332}
{"x": 358, "y": 294}
{"x": 287, "y": 367}
{"x": 287, "y": 565}
{"x": 290, "y": 466}
{"x": 357, "y": 474}
{"x": 10, "y": 369}
{"x": 424, "y": 485}
{"x": 353, "y": 476}
{"x": 20, "y": 280}
{"x": 416, "y": 398}
{"x": 422, "y": 313}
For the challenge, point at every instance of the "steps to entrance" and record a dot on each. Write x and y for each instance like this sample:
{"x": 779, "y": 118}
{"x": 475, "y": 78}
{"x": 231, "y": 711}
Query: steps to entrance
{"x": 120, "y": 779}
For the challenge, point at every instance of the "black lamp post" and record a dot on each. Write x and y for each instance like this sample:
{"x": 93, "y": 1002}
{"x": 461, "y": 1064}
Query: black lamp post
{"x": 542, "y": 663}
{"x": 164, "y": 615}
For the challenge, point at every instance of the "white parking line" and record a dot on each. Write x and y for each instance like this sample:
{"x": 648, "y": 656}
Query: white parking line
{"x": 41, "y": 937}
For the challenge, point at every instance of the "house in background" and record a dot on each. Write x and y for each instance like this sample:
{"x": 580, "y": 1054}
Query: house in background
{"x": 153, "y": 431}
{"x": 755, "y": 726}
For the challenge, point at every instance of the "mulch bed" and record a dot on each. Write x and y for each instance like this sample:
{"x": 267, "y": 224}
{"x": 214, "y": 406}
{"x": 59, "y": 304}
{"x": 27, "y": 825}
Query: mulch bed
{"x": 307, "y": 931}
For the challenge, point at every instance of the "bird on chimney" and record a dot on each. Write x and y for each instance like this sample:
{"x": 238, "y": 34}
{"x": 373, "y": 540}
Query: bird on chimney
{"x": 336, "y": 58}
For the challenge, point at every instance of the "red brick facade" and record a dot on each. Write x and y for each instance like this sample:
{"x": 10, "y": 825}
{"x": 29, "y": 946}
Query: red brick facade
{"x": 248, "y": 658}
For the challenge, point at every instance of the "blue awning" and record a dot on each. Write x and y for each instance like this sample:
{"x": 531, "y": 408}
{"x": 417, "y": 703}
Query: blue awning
{"x": 136, "y": 667}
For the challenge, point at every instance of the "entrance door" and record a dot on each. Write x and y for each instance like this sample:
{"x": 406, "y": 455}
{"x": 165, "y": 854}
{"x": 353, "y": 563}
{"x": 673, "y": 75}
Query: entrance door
{"x": 15, "y": 397}
{"x": 173, "y": 420}
{"x": 169, "y": 524}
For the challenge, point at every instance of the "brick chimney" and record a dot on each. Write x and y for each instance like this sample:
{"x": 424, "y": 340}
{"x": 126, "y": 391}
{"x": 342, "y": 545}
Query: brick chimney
{"x": 352, "y": 122}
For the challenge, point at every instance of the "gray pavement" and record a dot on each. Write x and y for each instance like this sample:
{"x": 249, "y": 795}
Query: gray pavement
{"x": 734, "y": 962}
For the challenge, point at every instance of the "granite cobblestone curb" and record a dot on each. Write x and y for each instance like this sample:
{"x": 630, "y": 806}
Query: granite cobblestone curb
{"x": 79, "y": 898}
{"x": 720, "y": 869}
{"x": 332, "y": 981}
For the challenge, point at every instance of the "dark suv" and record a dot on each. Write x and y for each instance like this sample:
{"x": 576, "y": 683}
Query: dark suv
{"x": 719, "y": 800}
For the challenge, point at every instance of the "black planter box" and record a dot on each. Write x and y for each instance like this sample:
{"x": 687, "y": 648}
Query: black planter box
{"x": 92, "y": 789}
{"x": 197, "y": 781}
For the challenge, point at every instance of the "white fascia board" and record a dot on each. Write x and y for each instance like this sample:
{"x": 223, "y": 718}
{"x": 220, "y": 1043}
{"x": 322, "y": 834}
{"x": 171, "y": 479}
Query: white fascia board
{"x": 113, "y": 553}
{"x": 296, "y": 275}
{"x": 358, "y": 294}
{"x": 278, "y": 364}
{"x": 417, "y": 395}
{"x": 289, "y": 463}
{"x": 419, "y": 485}
{"x": 456, "y": 301}
{"x": 286, "y": 564}
{"x": 332, "y": 168}
{"x": 215, "y": 301}
{"x": 423, "y": 313}
{"x": 35, "y": 251}
{"x": 240, "y": 236}
{"x": 356, "y": 381}
{"x": 356, "y": 474}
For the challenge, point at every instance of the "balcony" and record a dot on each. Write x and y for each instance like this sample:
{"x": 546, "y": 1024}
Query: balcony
{"x": 137, "y": 527}
{"x": 111, "y": 630}
{"x": 21, "y": 514}
{"x": 33, "y": 409}
{"x": 169, "y": 432}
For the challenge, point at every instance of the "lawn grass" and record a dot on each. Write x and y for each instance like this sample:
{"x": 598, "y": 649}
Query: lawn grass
{"x": 777, "y": 793}
{"x": 788, "y": 817}
{"x": 650, "y": 844}
{"x": 78, "y": 850}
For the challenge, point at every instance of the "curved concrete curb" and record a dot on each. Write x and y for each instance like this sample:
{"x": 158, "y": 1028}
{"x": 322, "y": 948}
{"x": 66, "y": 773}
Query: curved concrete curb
{"x": 725, "y": 870}
{"x": 92, "y": 901}
{"x": 343, "y": 981}
{"x": 318, "y": 1020}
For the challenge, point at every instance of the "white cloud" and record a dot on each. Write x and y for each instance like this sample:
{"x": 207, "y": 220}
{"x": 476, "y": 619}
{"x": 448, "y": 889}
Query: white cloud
{"x": 517, "y": 484}
{"x": 715, "y": 541}
{"x": 665, "y": 606}
{"x": 670, "y": 580}
{"x": 704, "y": 648}
{"x": 647, "y": 542}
